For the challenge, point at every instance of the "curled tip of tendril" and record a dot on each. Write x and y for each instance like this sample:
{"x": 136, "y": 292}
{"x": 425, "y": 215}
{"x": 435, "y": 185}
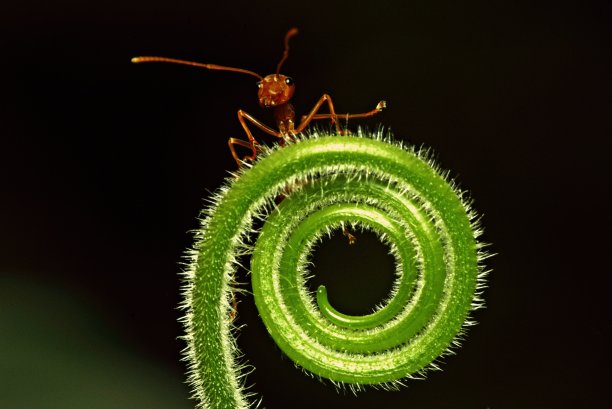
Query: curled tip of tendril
{"x": 328, "y": 182}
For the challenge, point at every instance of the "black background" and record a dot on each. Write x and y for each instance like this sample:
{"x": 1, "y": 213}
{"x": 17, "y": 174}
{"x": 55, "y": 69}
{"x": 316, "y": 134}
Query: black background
{"x": 104, "y": 166}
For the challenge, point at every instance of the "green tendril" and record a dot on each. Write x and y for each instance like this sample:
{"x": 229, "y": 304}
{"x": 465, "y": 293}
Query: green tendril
{"x": 329, "y": 182}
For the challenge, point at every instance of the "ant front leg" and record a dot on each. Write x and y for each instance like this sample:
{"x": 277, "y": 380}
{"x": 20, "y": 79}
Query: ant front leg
{"x": 379, "y": 107}
{"x": 252, "y": 143}
{"x": 313, "y": 113}
{"x": 233, "y": 141}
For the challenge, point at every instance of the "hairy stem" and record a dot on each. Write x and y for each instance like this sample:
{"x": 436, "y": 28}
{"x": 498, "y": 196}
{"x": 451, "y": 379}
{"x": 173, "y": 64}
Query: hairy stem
{"x": 329, "y": 182}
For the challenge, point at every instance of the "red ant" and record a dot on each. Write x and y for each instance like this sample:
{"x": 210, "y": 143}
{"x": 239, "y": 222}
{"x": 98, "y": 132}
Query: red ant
{"x": 275, "y": 91}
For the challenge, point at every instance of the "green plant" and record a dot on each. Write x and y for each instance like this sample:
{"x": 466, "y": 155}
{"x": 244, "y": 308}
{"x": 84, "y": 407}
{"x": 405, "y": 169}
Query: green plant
{"x": 330, "y": 182}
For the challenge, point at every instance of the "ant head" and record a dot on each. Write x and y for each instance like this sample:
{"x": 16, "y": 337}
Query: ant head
{"x": 274, "y": 90}
{"x": 277, "y": 89}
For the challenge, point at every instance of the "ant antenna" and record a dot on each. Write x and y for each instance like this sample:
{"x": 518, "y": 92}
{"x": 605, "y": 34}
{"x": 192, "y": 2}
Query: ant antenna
{"x": 138, "y": 60}
{"x": 289, "y": 34}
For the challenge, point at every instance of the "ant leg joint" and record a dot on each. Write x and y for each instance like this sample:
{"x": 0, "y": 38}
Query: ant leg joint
{"x": 351, "y": 239}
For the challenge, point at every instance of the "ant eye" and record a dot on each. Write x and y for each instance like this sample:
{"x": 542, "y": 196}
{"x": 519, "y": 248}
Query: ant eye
{"x": 288, "y": 81}
{"x": 259, "y": 84}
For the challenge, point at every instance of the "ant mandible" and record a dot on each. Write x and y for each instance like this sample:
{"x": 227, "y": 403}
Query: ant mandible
{"x": 275, "y": 91}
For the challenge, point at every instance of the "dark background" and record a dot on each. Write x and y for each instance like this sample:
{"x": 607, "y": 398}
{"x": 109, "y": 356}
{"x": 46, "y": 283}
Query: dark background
{"x": 104, "y": 166}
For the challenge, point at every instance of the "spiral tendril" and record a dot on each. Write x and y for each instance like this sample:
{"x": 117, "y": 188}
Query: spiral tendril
{"x": 329, "y": 182}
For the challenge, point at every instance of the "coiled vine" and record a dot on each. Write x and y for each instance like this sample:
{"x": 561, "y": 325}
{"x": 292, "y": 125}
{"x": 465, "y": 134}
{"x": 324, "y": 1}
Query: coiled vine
{"x": 328, "y": 182}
